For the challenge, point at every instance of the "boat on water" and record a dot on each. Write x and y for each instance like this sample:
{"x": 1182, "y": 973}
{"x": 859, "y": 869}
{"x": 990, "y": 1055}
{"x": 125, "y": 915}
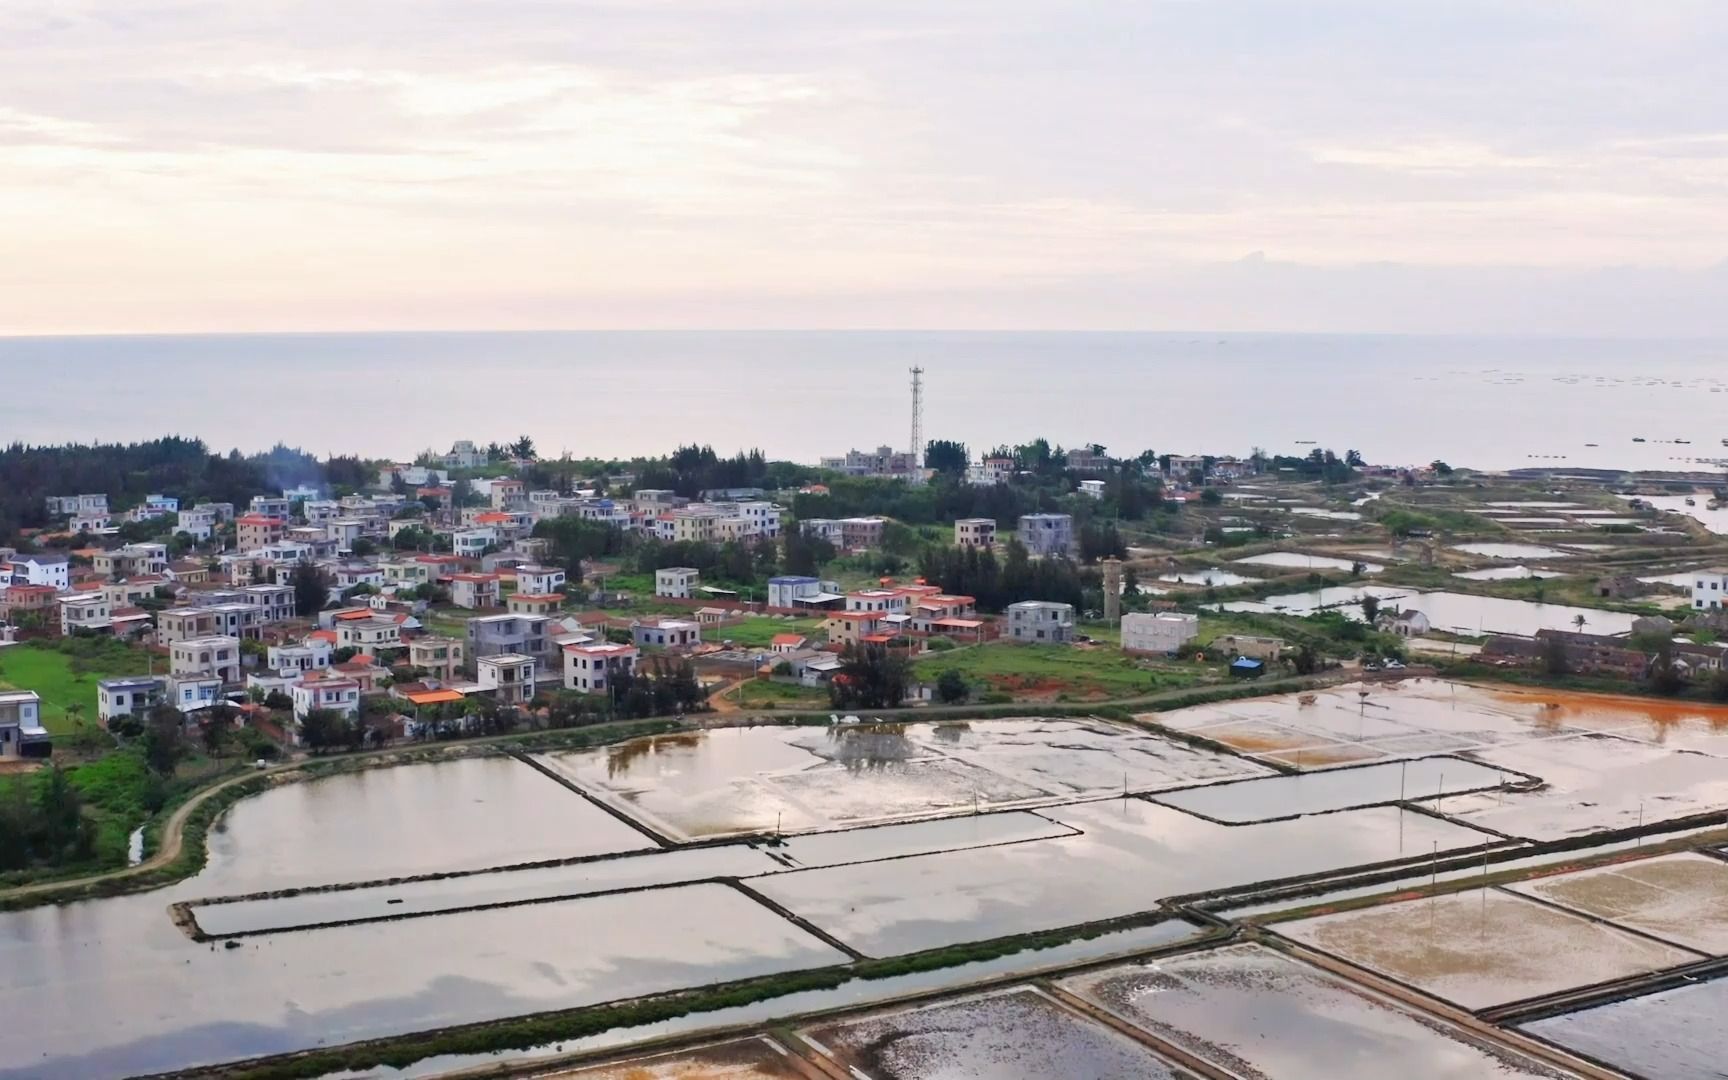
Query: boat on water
{"x": 1637, "y": 438}
{"x": 1596, "y": 444}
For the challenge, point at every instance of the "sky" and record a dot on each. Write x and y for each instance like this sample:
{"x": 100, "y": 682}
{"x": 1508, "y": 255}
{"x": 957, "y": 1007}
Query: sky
{"x": 1422, "y": 166}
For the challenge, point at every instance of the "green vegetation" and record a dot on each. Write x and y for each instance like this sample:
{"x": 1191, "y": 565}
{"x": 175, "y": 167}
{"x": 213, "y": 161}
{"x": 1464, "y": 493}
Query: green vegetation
{"x": 65, "y": 672}
{"x": 765, "y": 694}
{"x": 1057, "y": 670}
{"x": 757, "y": 631}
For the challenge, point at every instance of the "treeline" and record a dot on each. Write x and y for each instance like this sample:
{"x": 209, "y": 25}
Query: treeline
{"x": 42, "y": 822}
{"x": 180, "y": 467}
{"x": 691, "y": 470}
{"x": 1129, "y": 494}
{"x": 994, "y": 584}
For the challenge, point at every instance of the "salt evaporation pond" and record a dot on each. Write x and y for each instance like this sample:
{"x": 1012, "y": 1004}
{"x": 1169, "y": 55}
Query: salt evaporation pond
{"x": 395, "y": 822}
{"x": 1297, "y": 560}
{"x": 1681, "y": 898}
{"x": 736, "y": 780}
{"x": 629, "y": 871}
{"x": 1211, "y": 577}
{"x": 1256, "y": 1013}
{"x": 1490, "y": 550}
{"x": 745, "y": 1059}
{"x": 1242, "y": 801}
{"x": 1507, "y": 573}
{"x": 1458, "y": 612}
{"x": 1484, "y": 947}
{"x": 1131, "y": 854}
{"x": 1330, "y": 515}
{"x": 111, "y": 987}
{"x": 1015, "y": 1034}
{"x": 1713, "y": 520}
{"x": 1671, "y": 1035}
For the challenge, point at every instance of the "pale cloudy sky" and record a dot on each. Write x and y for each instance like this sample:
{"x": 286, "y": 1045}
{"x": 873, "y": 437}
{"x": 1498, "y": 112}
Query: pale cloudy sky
{"x": 1541, "y": 166}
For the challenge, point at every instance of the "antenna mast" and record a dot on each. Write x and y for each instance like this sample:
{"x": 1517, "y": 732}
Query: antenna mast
{"x": 917, "y": 425}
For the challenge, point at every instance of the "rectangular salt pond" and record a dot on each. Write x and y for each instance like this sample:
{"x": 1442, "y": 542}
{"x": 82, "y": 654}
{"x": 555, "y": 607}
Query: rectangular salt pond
{"x": 1680, "y": 898}
{"x": 1490, "y": 550}
{"x": 1256, "y": 1013}
{"x": 746, "y": 1059}
{"x": 1132, "y": 854}
{"x": 625, "y": 872}
{"x": 1483, "y": 947}
{"x": 1506, "y": 573}
{"x": 1461, "y": 613}
{"x": 1594, "y": 782}
{"x": 732, "y": 780}
{"x": 1213, "y": 577}
{"x": 1672, "y": 1035}
{"x": 465, "y": 814}
{"x": 121, "y": 1007}
{"x": 1418, "y": 780}
{"x": 1014, "y": 1034}
{"x": 1298, "y": 561}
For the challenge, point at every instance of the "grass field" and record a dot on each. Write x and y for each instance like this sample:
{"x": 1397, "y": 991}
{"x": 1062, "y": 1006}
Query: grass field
{"x": 759, "y": 692}
{"x": 757, "y": 631}
{"x": 63, "y": 680}
{"x": 1052, "y": 670}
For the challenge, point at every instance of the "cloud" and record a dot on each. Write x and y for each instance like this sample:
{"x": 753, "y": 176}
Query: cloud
{"x": 659, "y": 162}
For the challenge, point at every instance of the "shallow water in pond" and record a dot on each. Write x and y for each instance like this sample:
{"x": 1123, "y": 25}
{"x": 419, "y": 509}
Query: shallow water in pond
{"x": 1672, "y": 1035}
{"x": 1263, "y": 1016}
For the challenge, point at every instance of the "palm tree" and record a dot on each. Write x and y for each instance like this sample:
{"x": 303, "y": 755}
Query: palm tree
{"x": 1578, "y": 622}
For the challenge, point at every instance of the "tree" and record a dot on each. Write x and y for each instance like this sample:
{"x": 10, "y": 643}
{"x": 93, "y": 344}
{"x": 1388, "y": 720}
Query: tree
{"x": 311, "y": 590}
{"x": 363, "y": 547}
{"x": 951, "y": 687}
{"x": 164, "y": 739}
{"x": 523, "y": 448}
{"x": 946, "y": 456}
{"x": 870, "y": 677}
{"x": 1370, "y": 608}
{"x": 1306, "y": 661}
{"x": 1665, "y": 674}
{"x": 1578, "y": 622}
{"x": 1554, "y": 657}
{"x": 1440, "y": 468}
{"x": 1211, "y": 497}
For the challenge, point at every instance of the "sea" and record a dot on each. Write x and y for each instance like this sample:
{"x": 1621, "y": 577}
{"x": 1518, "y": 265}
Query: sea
{"x": 1483, "y": 402}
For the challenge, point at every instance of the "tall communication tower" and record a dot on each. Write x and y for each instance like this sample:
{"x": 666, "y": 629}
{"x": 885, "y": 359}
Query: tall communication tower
{"x": 917, "y": 424}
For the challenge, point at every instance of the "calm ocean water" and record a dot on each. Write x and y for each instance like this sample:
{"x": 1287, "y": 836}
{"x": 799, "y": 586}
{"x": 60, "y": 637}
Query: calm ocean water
{"x": 1487, "y": 402}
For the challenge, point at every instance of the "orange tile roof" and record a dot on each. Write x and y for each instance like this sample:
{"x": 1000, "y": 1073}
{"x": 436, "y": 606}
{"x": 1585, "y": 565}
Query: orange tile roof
{"x": 787, "y": 639}
{"x": 433, "y": 697}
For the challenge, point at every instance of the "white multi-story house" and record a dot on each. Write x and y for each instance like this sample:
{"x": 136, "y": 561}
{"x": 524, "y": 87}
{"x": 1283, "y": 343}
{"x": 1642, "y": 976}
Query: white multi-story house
{"x": 21, "y": 732}
{"x": 368, "y": 636}
{"x": 313, "y": 654}
{"x": 1041, "y": 622}
{"x": 474, "y": 591}
{"x": 795, "y": 591}
{"x": 676, "y": 582}
{"x": 217, "y": 656}
{"x": 336, "y": 694}
{"x": 95, "y": 522}
{"x": 1047, "y": 534}
{"x": 975, "y": 532}
{"x": 198, "y": 522}
{"x": 1159, "y": 633}
{"x": 85, "y": 611}
{"x": 129, "y": 696}
{"x": 50, "y": 570}
{"x": 1710, "y": 589}
{"x": 990, "y": 471}
{"x": 269, "y": 506}
{"x": 472, "y": 543}
{"x": 509, "y": 677}
{"x": 274, "y": 603}
{"x": 589, "y": 669}
{"x": 666, "y": 633}
{"x": 539, "y": 580}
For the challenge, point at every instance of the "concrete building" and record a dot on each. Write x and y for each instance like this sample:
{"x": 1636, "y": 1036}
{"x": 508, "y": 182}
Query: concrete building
{"x": 474, "y": 591}
{"x": 271, "y": 506}
{"x": 523, "y": 635}
{"x": 21, "y": 732}
{"x": 440, "y": 657}
{"x": 333, "y": 693}
{"x": 129, "y": 696}
{"x": 218, "y": 657}
{"x": 313, "y": 654}
{"x": 84, "y": 611}
{"x": 792, "y": 591}
{"x": 590, "y": 668}
{"x": 254, "y": 532}
{"x": 540, "y": 580}
{"x": 678, "y": 582}
{"x": 1047, "y": 534}
{"x": 883, "y": 461}
{"x": 131, "y": 560}
{"x": 19, "y": 600}
{"x": 1709, "y": 589}
{"x": 198, "y": 522}
{"x": 509, "y": 677}
{"x": 273, "y": 603}
{"x": 666, "y": 633}
{"x": 472, "y": 543}
{"x": 1093, "y": 489}
{"x": 1041, "y": 622}
{"x": 1255, "y": 648}
{"x": 369, "y": 636}
{"x": 975, "y": 532}
{"x": 51, "y": 570}
{"x": 1159, "y": 634}
{"x": 1408, "y": 623}
{"x": 991, "y": 471}
{"x": 857, "y": 627}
